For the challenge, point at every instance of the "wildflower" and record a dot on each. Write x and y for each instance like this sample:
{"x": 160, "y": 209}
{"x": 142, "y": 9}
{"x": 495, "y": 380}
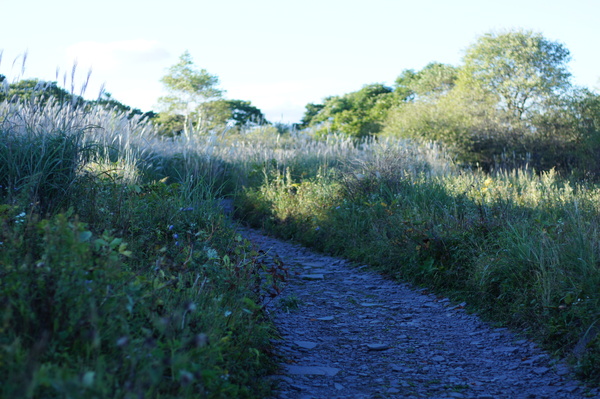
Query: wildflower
{"x": 211, "y": 253}
{"x": 176, "y": 236}
{"x": 228, "y": 313}
{"x": 20, "y": 217}
{"x": 170, "y": 227}
{"x": 317, "y": 228}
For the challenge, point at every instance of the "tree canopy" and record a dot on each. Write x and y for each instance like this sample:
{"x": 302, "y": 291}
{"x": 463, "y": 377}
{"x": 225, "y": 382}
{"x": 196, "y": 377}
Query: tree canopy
{"x": 188, "y": 86}
{"x": 35, "y": 89}
{"x": 358, "y": 114}
{"x": 193, "y": 93}
{"x": 243, "y": 113}
{"x": 196, "y": 103}
{"x": 510, "y": 104}
{"x": 435, "y": 79}
{"x": 521, "y": 67}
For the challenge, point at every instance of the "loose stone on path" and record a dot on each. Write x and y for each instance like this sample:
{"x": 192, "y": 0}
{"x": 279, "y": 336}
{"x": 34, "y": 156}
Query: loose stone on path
{"x": 357, "y": 335}
{"x": 312, "y": 276}
{"x": 306, "y": 344}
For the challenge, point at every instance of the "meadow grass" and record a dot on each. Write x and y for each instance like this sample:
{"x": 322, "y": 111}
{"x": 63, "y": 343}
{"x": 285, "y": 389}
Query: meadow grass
{"x": 103, "y": 217}
{"x": 119, "y": 274}
{"x": 522, "y": 248}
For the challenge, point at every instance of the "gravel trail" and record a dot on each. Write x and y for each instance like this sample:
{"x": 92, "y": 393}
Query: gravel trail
{"x": 350, "y": 333}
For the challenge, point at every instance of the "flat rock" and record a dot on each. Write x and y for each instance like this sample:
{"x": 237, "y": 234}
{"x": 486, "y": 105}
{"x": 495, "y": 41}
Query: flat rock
{"x": 312, "y": 370}
{"x": 306, "y": 344}
{"x": 541, "y": 370}
{"x": 377, "y": 347}
{"x": 314, "y": 264}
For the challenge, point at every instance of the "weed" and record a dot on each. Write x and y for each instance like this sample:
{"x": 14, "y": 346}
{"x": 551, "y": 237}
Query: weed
{"x": 290, "y": 303}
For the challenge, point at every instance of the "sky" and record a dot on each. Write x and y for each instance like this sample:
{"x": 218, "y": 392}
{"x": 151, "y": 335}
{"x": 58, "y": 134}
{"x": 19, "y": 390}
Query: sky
{"x": 278, "y": 54}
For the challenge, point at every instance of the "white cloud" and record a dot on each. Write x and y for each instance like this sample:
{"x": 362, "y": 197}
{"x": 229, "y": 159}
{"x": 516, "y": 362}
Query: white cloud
{"x": 111, "y": 56}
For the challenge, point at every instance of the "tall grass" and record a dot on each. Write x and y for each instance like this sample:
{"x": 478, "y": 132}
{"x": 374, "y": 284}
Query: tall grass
{"x": 521, "y": 248}
{"x": 119, "y": 275}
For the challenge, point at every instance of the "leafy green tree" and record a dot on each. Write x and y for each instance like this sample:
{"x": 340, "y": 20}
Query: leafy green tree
{"x": 311, "y": 111}
{"x": 192, "y": 93}
{"x": 403, "y": 89}
{"x": 357, "y": 114}
{"x": 170, "y": 124}
{"x": 522, "y": 68}
{"x": 107, "y": 101}
{"x": 511, "y": 96}
{"x": 38, "y": 90}
{"x": 243, "y": 113}
{"x": 434, "y": 79}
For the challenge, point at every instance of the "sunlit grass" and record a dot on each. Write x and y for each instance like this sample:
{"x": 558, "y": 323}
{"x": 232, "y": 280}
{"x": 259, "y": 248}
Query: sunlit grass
{"x": 520, "y": 247}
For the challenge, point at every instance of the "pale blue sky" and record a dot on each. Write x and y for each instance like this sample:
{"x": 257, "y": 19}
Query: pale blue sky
{"x": 278, "y": 54}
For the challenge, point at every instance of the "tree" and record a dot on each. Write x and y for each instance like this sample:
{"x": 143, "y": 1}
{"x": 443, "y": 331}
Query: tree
{"x": 192, "y": 93}
{"x": 435, "y": 79}
{"x": 311, "y": 111}
{"x": 510, "y": 105}
{"x": 522, "y": 68}
{"x": 38, "y": 90}
{"x": 108, "y": 102}
{"x": 243, "y": 113}
{"x": 358, "y": 114}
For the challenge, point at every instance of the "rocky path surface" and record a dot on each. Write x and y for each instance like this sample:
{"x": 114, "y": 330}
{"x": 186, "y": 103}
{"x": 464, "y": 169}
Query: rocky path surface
{"x": 350, "y": 333}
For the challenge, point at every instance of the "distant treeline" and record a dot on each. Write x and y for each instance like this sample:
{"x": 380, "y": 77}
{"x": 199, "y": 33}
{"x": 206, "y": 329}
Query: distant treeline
{"x": 510, "y": 104}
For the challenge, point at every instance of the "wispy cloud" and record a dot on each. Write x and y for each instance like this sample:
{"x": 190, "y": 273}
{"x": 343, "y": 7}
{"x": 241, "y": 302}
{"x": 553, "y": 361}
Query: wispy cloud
{"x": 110, "y": 56}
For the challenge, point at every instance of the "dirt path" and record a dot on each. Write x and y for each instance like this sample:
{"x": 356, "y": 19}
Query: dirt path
{"x": 349, "y": 333}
